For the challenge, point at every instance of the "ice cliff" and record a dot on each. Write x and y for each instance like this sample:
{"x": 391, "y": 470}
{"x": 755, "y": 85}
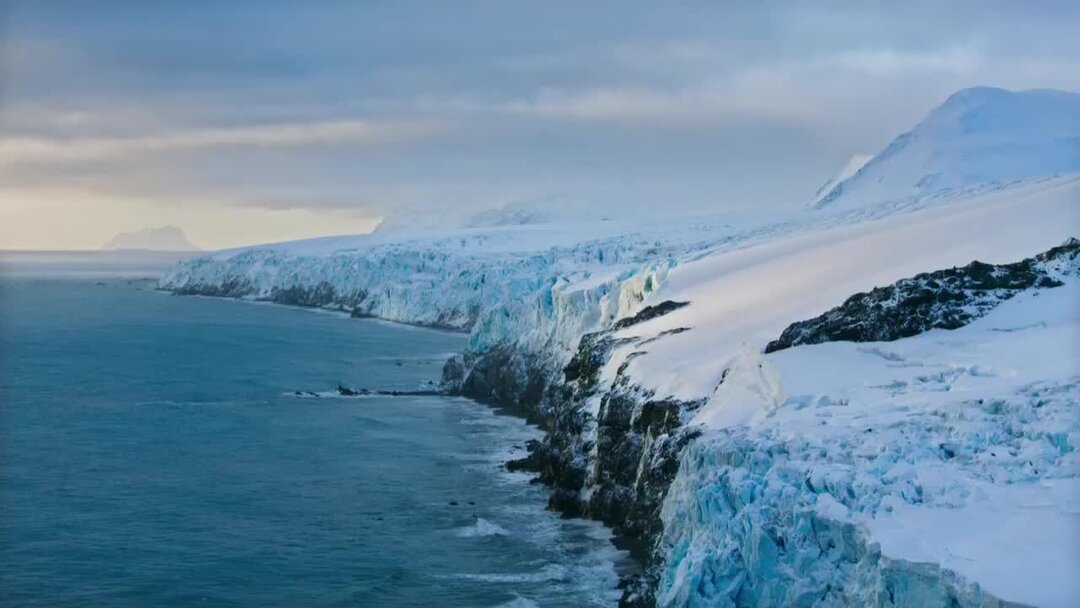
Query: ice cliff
{"x": 934, "y": 470}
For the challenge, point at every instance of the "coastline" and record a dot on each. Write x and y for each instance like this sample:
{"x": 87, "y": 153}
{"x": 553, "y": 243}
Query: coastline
{"x": 616, "y": 403}
{"x": 637, "y": 549}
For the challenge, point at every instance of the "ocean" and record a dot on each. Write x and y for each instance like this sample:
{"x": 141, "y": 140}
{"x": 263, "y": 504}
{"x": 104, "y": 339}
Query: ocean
{"x": 154, "y": 452}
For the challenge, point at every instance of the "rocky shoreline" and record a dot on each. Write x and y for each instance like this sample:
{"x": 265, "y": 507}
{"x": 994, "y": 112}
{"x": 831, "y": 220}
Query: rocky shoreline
{"x": 614, "y": 466}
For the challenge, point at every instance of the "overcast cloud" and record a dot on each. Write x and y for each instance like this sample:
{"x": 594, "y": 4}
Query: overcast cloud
{"x": 344, "y": 112}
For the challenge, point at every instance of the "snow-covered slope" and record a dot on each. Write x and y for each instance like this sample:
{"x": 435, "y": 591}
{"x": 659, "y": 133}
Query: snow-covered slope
{"x": 937, "y": 467}
{"x": 743, "y": 297}
{"x": 856, "y": 162}
{"x": 978, "y": 136}
{"x": 750, "y": 293}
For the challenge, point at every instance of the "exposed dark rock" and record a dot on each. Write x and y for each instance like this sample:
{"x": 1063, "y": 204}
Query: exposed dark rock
{"x": 500, "y": 376}
{"x": 944, "y": 299}
{"x": 665, "y": 333}
{"x": 407, "y": 393}
{"x": 650, "y": 312}
{"x": 532, "y": 462}
{"x": 345, "y": 391}
{"x": 232, "y": 287}
{"x": 638, "y": 444}
{"x": 310, "y": 297}
{"x": 453, "y": 374}
{"x": 593, "y": 352}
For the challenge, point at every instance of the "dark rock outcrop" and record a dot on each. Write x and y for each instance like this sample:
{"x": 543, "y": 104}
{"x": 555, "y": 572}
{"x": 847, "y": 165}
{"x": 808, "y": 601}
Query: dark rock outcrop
{"x": 944, "y": 299}
{"x": 345, "y": 391}
{"x": 232, "y": 287}
{"x": 650, "y": 312}
{"x": 309, "y": 297}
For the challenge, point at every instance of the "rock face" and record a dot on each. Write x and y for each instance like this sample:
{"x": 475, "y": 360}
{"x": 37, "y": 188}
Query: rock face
{"x": 607, "y": 454}
{"x": 944, "y": 299}
{"x": 233, "y": 287}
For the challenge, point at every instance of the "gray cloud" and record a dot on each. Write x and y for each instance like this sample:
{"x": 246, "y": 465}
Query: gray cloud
{"x": 447, "y": 109}
{"x": 15, "y": 150}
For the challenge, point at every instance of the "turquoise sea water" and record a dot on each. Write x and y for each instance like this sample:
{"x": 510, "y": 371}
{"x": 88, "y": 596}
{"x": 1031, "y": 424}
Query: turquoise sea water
{"x": 152, "y": 453}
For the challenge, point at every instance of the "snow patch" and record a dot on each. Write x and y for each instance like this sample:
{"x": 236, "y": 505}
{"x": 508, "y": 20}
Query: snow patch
{"x": 854, "y": 164}
{"x": 933, "y": 469}
{"x": 749, "y": 392}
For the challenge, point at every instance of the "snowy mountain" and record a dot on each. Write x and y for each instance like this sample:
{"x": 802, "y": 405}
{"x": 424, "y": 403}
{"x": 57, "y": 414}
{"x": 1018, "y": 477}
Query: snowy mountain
{"x": 869, "y": 458}
{"x": 976, "y": 137}
{"x": 856, "y": 162}
{"x": 166, "y": 238}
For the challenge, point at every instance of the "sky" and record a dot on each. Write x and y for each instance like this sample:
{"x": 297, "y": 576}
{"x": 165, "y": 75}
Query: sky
{"x": 256, "y": 122}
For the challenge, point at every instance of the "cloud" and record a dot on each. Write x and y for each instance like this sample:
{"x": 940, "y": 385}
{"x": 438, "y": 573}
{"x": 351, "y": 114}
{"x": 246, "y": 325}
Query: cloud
{"x": 384, "y": 109}
{"x": 28, "y": 220}
{"x": 36, "y": 149}
{"x": 889, "y": 61}
{"x": 871, "y": 89}
{"x": 619, "y": 104}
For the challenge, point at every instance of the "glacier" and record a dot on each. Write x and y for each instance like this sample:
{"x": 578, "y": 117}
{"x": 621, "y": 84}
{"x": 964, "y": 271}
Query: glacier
{"x": 939, "y": 469}
{"x": 803, "y": 476}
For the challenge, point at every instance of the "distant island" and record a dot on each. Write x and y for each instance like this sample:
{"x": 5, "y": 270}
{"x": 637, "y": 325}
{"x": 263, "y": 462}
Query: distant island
{"x": 165, "y": 238}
